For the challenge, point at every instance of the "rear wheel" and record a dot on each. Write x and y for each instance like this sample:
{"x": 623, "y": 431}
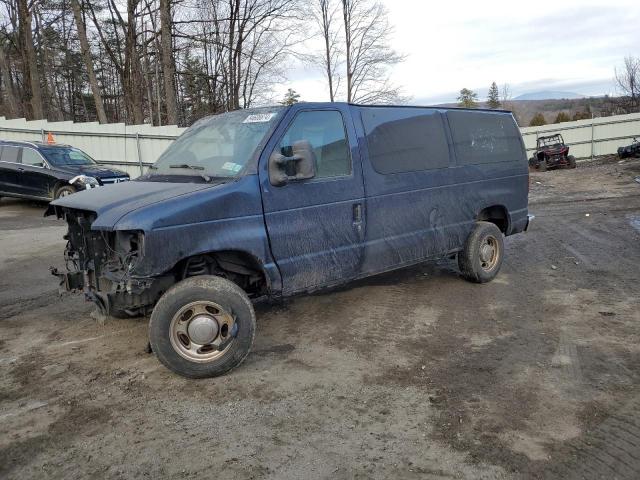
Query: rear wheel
{"x": 64, "y": 190}
{"x": 202, "y": 327}
{"x": 481, "y": 259}
{"x": 572, "y": 161}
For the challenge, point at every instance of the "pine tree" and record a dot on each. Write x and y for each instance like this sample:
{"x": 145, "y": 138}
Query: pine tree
{"x": 562, "y": 117}
{"x": 537, "y": 120}
{"x": 290, "y": 97}
{"x": 468, "y": 98}
{"x": 493, "y": 98}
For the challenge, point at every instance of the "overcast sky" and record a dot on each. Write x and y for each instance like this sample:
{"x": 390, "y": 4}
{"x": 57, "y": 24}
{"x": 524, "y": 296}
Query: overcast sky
{"x": 565, "y": 45}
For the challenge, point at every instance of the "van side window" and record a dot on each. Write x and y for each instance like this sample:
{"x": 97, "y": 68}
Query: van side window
{"x": 10, "y": 154}
{"x": 326, "y": 133}
{"x": 484, "y": 137}
{"x": 31, "y": 157}
{"x": 405, "y": 139}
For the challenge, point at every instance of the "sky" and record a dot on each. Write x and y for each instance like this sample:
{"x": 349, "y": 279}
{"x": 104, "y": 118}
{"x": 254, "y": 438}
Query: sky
{"x": 561, "y": 45}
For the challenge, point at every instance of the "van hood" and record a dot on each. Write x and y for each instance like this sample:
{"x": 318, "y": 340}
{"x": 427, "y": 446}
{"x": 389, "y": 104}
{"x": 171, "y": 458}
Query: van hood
{"x": 95, "y": 171}
{"x": 113, "y": 202}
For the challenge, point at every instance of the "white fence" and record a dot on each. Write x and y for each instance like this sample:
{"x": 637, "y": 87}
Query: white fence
{"x": 134, "y": 147}
{"x": 128, "y": 147}
{"x": 589, "y": 138}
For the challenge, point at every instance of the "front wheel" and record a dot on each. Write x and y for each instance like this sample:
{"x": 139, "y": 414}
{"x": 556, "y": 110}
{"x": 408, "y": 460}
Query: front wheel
{"x": 542, "y": 165}
{"x": 481, "y": 259}
{"x": 64, "y": 190}
{"x": 202, "y": 327}
{"x": 572, "y": 161}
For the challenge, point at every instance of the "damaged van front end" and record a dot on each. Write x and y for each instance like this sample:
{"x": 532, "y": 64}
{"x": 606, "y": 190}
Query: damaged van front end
{"x": 103, "y": 265}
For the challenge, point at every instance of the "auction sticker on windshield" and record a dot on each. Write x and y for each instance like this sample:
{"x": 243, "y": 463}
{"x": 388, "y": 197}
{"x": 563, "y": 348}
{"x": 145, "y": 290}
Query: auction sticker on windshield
{"x": 234, "y": 167}
{"x": 259, "y": 118}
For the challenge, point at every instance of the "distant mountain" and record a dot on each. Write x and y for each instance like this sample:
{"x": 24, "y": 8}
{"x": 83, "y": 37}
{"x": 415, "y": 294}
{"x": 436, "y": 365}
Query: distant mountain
{"x": 548, "y": 95}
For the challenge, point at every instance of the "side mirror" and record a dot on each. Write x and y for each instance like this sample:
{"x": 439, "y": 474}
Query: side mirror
{"x": 300, "y": 166}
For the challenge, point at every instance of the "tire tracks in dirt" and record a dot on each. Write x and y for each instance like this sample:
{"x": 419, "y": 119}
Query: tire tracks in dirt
{"x": 609, "y": 451}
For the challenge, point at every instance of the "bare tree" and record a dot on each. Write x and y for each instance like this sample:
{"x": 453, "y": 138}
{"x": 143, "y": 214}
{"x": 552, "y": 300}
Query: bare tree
{"x": 88, "y": 61}
{"x": 324, "y": 13}
{"x": 11, "y": 97}
{"x": 628, "y": 81}
{"x": 367, "y": 51}
{"x": 33, "y": 92}
{"x": 168, "y": 62}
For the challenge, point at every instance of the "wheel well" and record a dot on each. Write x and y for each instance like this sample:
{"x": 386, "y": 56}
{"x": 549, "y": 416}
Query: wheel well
{"x": 240, "y": 267}
{"x": 497, "y": 215}
{"x": 58, "y": 184}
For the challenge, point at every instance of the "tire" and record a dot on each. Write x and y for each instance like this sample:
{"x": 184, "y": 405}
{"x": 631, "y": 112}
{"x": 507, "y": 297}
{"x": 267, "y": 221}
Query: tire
{"x": 542, "y": 165}
{"x": 572, "y": 161}
{"x": 64, "y": 190}
{"x": 220, "y": 339}
{"x": 483, "y": 252}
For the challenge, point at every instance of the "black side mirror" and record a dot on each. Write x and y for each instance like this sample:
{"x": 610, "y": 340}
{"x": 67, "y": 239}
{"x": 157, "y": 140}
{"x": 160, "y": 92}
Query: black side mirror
{"x": 300, "y": 166}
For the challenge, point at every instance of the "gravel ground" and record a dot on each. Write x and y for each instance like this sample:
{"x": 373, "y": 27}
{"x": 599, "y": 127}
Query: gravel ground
{"x": 412, "y": 374}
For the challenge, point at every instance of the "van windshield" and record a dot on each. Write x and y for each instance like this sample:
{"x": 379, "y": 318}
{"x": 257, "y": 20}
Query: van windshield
{"x": 217, "y": 146}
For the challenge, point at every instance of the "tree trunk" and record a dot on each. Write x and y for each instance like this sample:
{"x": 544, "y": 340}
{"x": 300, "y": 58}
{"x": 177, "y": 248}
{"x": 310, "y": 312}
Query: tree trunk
{"x": 12, "y": 101}
{"x": 33, "y": 92}
{"x": 132, "y": 76}
{"x": 346, "y": 12}
{"x": 86, "y": 55}
{"x": 168, "y": 64}
{"x": 326, "y": 31}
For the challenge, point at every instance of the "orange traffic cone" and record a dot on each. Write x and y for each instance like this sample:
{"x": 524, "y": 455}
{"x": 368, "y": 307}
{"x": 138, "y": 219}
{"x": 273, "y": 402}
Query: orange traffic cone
{"x": 50, "y": 138}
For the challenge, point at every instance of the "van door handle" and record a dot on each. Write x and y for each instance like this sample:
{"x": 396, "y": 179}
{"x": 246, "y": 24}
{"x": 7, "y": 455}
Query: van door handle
{"x": 357, "y": 214}
{"x": 20, "y": 169}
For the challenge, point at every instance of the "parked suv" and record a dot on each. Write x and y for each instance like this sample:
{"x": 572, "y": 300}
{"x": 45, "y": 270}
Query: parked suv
{"x": 271, "y": 202}
{"x": 43, "y": 171}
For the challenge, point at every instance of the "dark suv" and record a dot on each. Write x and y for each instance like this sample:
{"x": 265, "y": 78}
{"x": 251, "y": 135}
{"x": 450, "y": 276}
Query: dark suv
{"x": 43, "y": 171}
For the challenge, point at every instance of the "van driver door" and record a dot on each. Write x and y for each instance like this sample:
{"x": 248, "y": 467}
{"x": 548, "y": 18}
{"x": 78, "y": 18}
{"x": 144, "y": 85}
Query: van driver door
{"x": 316, "y": 226}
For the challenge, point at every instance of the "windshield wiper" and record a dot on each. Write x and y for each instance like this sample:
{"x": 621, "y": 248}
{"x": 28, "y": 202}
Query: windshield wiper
{"x": 185, "y": 165}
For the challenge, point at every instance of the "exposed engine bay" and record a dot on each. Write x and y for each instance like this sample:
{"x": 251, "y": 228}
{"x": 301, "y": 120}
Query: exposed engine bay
{"x": 102, "y": 265}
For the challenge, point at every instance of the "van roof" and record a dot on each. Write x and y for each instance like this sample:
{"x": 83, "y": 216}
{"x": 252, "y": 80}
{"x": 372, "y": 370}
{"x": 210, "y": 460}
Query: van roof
{"x": 438, "y": 107}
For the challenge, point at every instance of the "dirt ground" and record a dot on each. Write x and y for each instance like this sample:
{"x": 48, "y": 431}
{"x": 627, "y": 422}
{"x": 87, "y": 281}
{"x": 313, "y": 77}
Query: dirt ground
{"x": 413, "y": 374}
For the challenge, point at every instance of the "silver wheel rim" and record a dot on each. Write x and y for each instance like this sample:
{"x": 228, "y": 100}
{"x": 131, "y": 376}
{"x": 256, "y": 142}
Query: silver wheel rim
{"x": 64, "y": 193}
{"x": 201, "y": 331}
{"x": 489, "y": 253}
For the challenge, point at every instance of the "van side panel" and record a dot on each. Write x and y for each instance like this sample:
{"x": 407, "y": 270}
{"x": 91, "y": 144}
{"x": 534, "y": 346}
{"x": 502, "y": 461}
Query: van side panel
{"x": 409, "y": 214}
{"x": 490, "y": 153}
{"x": 420, "y": 214}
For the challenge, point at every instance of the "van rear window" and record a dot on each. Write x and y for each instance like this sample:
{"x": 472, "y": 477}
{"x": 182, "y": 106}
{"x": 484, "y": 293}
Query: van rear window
{"x": 405, "y": 139}
{"x": 482, "y": 137}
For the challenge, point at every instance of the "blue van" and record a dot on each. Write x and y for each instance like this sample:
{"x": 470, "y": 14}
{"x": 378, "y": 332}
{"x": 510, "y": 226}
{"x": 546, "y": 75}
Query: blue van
{"x": 272, "y": 202}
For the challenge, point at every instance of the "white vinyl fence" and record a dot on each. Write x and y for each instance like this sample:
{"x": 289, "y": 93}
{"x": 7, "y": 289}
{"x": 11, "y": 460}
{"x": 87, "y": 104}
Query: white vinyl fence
{"x": 134, "y": 147}
{"x": 131, "y": 148}
{"x": 589, "y": 138}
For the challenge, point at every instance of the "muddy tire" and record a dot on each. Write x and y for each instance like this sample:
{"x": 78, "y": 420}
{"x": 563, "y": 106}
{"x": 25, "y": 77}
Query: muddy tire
{"x": 481, "y": 259}
{"x": 202, "y": 327}
{"x": 572, "y": 161}
{"x": 63, "y": 191}
{"x": 542, "y": 165}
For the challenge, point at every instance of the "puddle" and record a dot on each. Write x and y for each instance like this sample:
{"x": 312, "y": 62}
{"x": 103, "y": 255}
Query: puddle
{"x": 634, "y": 221}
